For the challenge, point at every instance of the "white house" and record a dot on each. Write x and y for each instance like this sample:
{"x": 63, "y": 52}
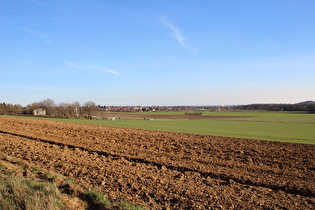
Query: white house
{"x": 39, "y": 112}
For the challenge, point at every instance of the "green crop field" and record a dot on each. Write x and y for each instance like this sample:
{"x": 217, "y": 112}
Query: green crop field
{"x": 273, "y": 126}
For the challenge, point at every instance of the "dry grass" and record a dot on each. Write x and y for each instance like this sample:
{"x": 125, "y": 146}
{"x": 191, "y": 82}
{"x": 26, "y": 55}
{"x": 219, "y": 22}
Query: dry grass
{"x": 24, "y": 193}
{"x": 28, "y": 187}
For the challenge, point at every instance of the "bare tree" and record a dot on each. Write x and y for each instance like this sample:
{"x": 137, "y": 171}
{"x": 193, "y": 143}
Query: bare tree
{"x": 11, "y": 109}
{"x": 17, "y": 109}
{"x": 48, "y": 102}
{"x": 63, "y": 110}
{"x": 49, "y": 105}
{"x": 89, "y": 107}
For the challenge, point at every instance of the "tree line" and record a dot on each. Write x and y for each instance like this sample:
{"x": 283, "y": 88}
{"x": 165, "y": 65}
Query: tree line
{"x": 62, "y": 110}
{"x": 305, "y": 107}
{"x": 76, "y": 110}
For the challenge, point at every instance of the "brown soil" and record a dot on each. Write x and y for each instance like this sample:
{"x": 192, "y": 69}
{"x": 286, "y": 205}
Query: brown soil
{"x": 164, "y": 170}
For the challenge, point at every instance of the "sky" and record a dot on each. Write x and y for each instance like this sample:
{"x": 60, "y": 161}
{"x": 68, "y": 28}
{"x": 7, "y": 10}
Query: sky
{"x": 157, "y": 52}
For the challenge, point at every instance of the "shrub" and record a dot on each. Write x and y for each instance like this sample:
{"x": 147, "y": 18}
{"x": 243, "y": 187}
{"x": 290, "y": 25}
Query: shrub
{"x": 193, "y": 113}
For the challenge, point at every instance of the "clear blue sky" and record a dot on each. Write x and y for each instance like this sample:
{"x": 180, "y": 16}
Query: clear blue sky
{"x": 157, "y": 52}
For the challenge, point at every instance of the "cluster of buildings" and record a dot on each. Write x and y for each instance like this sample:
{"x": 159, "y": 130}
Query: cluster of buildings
{"x": 155, "y": 108}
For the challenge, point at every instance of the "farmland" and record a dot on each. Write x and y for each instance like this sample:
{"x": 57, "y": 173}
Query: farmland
{"x": 162, "y": 170}
{"x": 274, "y": 126}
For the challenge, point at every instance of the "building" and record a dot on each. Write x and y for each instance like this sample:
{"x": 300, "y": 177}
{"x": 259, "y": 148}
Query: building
{"x": 39, "y": 112}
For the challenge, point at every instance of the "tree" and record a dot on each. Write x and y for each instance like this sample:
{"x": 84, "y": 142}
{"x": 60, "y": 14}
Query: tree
{"x": 48, "y": 102}
{"x": 17, "y": 109}
{"x": 49, "y": 105}
{"x": 69, "y": 110}
{"x": 89, "y": 107}
{"x": 62, "y": 110}
{"x": 31, "y": 107}
{"x": 311, "y": 108}
{"x": 11, "y": 109}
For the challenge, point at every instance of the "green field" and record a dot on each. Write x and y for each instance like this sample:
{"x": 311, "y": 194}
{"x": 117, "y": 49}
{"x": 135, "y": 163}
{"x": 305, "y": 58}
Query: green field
{"x": 273, "y": 126}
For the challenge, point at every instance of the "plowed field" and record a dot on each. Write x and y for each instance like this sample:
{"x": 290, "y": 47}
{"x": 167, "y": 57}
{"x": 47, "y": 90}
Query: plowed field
{"x": 163, "y": 170}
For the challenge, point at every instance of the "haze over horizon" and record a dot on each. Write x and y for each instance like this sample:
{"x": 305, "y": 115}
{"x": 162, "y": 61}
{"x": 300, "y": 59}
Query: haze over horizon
{"x": 203, "y": 52}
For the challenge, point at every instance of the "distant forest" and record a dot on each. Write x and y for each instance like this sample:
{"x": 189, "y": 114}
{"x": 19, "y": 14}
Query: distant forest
{"x": 308, "y": 106}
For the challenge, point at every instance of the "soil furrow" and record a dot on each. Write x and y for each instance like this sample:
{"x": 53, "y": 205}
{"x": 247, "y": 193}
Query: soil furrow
{"x": 285, "y": 179}
{"x": 159, "y": 188}
{"x": 223, "y": 177}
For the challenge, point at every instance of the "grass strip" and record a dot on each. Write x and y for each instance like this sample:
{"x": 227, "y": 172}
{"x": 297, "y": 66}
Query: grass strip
{"x": 23, "y": 193}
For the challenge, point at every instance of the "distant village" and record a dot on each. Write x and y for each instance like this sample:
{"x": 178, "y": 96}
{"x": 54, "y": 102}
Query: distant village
{"x": 151, "y": 108}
